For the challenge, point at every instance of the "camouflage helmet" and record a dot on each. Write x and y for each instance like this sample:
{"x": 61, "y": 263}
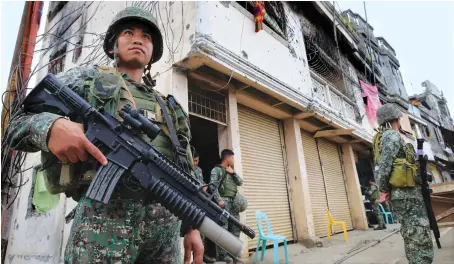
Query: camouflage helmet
{"x": 239, "y": 203}
{"x": 137, "y": 14}
{"x": 387, "y": 113}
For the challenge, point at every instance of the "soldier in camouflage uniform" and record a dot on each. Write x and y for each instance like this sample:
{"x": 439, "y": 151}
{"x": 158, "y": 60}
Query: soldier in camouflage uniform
{"x": 130, "y": 228}
{"x": 407, "y": 201}
{"x": 372, "y": 194}
{"x": 227, "y": 180}
{"x": 198, "y": 174}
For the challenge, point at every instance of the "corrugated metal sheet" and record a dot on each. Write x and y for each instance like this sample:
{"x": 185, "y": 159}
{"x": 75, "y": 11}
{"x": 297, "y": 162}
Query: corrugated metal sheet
{"x": 265, "y": 184}
{"x": 317, "y": 191}
{"x": 326, "y": 183}
{"x": 335, "y": 183}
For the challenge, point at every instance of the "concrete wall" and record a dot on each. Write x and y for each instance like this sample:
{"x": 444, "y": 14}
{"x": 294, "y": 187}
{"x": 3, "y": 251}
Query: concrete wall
{"x": 393, "y": 82}
{"x": 233, "y": 27}
{"x": 34, "y": 237}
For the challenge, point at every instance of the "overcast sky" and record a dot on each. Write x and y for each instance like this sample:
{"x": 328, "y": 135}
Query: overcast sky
{"x": 422, "y": 33}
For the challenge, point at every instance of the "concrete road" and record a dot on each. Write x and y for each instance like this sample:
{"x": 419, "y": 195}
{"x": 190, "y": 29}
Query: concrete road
{"x": 389, "y": 251}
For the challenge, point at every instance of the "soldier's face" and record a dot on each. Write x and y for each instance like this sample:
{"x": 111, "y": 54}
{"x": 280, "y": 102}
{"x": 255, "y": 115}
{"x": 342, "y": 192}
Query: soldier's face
{"x": 135, "y": 46}
{"x": 196, "y": 161}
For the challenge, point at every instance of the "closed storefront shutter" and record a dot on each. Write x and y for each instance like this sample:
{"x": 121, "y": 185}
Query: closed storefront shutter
{"x": 265, "y": 184}
{"x": 316, "y": 184}
{"x": 335, "y": 184}
{"x": 326, "y": 183}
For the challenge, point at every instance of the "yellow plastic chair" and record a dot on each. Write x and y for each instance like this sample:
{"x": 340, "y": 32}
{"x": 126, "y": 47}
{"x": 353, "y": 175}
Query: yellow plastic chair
{"x": 331, "y": 223}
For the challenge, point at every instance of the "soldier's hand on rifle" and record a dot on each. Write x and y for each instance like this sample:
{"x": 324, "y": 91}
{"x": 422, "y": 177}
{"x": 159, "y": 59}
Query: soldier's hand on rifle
{"x": 193, "y": 243}
{"x": 229, "y": 170}
{"x": 221, "y": 203}
{"x": 68, "y": 142}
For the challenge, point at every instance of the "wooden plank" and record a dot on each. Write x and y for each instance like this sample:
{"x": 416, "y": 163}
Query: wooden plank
{"x": 446, "y": 213}
{"x": 445, "y": 187}
{"x": 446, "y": 224}
{"x": 356, "y": 141}
{"x": 442, "y": 199}
{"x": 303, "y": 115}
{"x": 333, "y": 133}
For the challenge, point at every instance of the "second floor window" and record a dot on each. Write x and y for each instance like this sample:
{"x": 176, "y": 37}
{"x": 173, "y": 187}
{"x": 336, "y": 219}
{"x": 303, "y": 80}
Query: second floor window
{"x": 57, "y": 62}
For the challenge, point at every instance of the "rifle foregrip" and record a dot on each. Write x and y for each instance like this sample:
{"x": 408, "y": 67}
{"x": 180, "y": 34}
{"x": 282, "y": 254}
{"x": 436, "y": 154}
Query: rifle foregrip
{"x": 176, "y": 203}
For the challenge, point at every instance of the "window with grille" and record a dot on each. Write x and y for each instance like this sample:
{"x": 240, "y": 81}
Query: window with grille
{"x": 207, "y": 105}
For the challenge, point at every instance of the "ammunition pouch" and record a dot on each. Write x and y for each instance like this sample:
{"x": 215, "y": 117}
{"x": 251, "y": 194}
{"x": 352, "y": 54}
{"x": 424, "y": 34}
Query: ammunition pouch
{"x": 404, "y": 174}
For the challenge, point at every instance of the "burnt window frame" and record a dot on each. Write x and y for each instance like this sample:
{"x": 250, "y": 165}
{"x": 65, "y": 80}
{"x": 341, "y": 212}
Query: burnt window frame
{"x": 55, "y": 9}
{"x": 58, "y": 57}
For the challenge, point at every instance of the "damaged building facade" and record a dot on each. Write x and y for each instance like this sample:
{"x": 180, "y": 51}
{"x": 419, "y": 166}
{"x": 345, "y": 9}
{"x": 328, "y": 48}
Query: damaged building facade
{"x": 288, "y": 100}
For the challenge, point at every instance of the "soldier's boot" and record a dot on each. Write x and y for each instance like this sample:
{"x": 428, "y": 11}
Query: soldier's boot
{"x": 370, "y": 226}
{"x": 228, "y": 259}
{"x": 380, "y": 227}
{"x": 208, "y": 259}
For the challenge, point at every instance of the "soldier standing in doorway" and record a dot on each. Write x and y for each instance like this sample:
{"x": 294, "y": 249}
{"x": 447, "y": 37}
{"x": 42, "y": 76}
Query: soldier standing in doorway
{"x": 227, "y": 180}
{"x": 131, "y": 228}
{"x": 397, "y": 173}
{"x": 372, "y": 194}
{"x": 198, "y": 173}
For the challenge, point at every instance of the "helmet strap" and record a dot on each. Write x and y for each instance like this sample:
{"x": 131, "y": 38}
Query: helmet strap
{"x": 147, "y": 79}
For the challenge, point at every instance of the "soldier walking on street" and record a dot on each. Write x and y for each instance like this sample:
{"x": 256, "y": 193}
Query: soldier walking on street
{"x": 397, "y": 173}
{"x": 372, "y": 194}
{"x": 131, "y": 228}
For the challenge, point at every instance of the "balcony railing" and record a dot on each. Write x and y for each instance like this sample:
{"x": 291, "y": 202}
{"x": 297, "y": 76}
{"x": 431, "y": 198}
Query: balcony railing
{"x": 332, "y": 98}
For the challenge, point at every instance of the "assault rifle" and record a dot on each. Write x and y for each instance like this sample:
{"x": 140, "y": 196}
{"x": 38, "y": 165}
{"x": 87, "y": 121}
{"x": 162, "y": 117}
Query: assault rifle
{"x": 126, "y": 152}
{"x": 426, "y": 191}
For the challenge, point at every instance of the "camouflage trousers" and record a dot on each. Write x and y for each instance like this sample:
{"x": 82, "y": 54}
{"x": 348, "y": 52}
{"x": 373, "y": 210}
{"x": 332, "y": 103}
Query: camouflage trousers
{"x": 377, "y": 212}
{"x": 123, "y": 231}
{"x": 415, "y": 230}
{"x": 228, "y": 202}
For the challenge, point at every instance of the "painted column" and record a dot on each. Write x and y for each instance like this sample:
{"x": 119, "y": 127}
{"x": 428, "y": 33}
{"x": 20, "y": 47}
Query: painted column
{"x": 229, "y": 137}
{"x": 353, "y": 188}
{"x": 298, "y": 181}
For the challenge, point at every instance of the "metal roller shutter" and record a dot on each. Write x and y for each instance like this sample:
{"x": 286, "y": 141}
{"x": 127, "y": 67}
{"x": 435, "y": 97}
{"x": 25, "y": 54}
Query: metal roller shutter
{"x": 265, "y": 184}
{"x": 317, "y": 191}
{"x": 335, "y": 184}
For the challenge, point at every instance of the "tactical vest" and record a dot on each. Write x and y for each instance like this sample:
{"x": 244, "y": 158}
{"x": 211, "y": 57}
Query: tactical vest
{"x": 404, "y": 169}
{"x": 110, "y": 90}
{"x": 228, "y": 187}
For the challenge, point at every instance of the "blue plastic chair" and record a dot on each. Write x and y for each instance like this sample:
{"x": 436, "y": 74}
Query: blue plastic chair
{"x": 271, "y": 237}
{"x": 386, "y": 214}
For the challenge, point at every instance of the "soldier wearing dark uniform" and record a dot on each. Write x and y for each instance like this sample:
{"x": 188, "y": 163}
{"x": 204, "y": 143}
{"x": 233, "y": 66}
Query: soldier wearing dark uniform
{"x": 396, "y": 172}
{"x": 131, "y": 228}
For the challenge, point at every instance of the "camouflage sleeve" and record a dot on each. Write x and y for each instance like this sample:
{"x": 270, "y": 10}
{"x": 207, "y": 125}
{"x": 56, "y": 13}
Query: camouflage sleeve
{"x": 215, "y": 178}
{"x": 238, "y": 179}
{"x": 389, "y": 148}
{"x": 29, "y": 132}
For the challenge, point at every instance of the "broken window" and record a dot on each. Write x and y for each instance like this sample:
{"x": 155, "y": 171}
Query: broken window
{"x": 57, "y": 62}
{"x": 274, "y": 17}
{"x": 54, "y": 8}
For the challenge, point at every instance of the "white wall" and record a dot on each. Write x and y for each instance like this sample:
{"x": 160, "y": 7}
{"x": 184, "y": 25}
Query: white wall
{"x": 34, "y": 237}
{"x": 233, "y": 30}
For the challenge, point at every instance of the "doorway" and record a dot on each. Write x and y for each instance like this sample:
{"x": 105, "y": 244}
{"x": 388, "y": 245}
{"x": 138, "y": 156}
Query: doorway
{"x": 205, "y": 141}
